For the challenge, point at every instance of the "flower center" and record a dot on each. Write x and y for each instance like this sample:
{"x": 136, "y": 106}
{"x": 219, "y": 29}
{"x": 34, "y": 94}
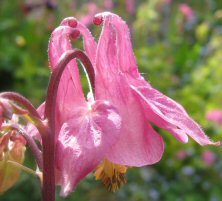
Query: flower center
{"x": 111, "y": 174}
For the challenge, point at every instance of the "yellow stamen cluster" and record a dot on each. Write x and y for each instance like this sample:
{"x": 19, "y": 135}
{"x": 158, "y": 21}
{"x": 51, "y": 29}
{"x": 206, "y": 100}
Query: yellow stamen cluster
{"x": 111, "y": 174}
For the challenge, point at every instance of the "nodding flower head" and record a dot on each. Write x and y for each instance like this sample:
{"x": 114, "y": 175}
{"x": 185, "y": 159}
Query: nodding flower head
{"x": 116, "y": 131}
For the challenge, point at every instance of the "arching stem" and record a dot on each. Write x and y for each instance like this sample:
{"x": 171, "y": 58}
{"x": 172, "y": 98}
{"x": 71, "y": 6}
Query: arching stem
{"x": 48, "y": 191}
{"x": 34, "y": 148}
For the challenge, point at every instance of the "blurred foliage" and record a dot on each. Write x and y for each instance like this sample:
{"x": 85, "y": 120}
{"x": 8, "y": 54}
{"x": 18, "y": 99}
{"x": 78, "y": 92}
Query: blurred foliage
{"x": 180, "y": 57}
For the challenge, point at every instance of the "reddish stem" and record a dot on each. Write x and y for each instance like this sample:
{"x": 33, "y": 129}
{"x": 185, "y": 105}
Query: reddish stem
{"x": 34, "y": 148}
{"x": 49, "y": 140}
{"x": 13, "y": 96}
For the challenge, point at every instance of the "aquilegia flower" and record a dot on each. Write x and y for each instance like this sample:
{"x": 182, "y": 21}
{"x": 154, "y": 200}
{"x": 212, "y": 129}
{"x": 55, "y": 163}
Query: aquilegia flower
{"x": 112, "y": 132}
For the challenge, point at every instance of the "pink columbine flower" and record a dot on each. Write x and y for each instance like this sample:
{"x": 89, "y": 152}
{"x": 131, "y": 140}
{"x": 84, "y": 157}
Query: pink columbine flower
{"x": 208, "y": 157}
{"x": 215, "y": 116}
{"x": 114, "y": 129}
{"x": 186, "y": 11}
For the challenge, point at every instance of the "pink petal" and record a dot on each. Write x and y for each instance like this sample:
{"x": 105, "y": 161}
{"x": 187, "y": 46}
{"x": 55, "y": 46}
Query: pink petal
{"x": 139, "y": 144}
{"x": 70, "y": 90}
{"x": 84, "y": 141}
{"x": 60, "y": 43}
{"x": 90, "y": 44}
{"x": 168, "y": 114}
{"x": 114, "y": 27}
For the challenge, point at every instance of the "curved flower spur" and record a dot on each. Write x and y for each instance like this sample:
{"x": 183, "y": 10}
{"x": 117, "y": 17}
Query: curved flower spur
{"x": 112, "y": 131}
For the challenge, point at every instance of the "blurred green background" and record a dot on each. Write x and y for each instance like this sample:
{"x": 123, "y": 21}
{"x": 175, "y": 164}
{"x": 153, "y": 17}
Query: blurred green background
{"x": 178, "y": 45}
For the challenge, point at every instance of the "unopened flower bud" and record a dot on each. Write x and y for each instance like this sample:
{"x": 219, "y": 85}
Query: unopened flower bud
{"x": 12, "y": 148}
